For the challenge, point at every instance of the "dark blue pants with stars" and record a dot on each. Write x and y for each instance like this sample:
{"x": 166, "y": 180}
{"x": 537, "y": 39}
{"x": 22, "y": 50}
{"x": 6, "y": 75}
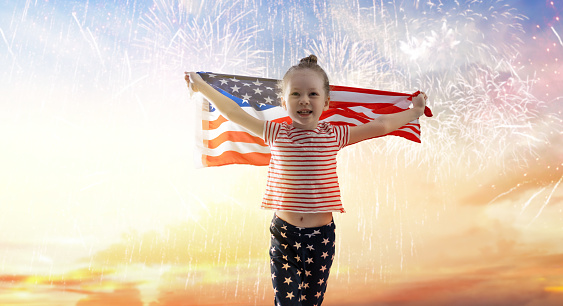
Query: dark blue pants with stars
{"x": 300, "y": 262}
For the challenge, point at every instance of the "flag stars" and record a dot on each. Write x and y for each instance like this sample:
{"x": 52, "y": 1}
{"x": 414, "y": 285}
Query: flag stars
{"x": 297, "y": 258}
{"x": 269, "y": 100}
{"x": 287, "y": 280}
{"x": 318, "y": 295}
{"x": 323, "y": 269}
{"x": 310, "y": 247}
{"x": 273, "y": 275}
{"x": 235, "y": 88}
{"x": 307, "y": 273}
{"x": 223, "y": 82}
{"x": 283, "y": 235}
{"x": 258, "y": 91}
{"x": 325, "y": 255}
{"x": 246, "y": 97}
{"x": 257, "y": 83}
{"x": 325, "y": 241}
{"x": 284, "y": 257}
{"x": 284, "y": 246}
{"x": 309, "y": 260}
{"x": 297, "y": 245}
{"x": 234, "y": 80}
{"x": 285, "y": 266}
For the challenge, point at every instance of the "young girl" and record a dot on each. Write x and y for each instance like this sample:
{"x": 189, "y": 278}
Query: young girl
{"x": 302, "y": 185}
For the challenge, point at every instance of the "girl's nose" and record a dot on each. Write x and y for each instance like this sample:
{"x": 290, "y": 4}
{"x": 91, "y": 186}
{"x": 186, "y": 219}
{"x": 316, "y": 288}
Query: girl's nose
{"x": 303, "y": 101}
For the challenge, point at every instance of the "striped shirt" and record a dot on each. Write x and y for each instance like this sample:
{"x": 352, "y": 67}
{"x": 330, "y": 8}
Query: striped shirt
{"x": 302, "y": 171}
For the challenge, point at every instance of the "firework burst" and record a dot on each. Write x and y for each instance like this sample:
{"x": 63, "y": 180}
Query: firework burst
{"x": 485, "y": 111}
{"x": 176, "y": 37}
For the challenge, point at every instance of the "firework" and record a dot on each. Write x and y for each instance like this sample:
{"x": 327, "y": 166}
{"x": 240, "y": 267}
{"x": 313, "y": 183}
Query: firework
{"x": 177, "y": 38}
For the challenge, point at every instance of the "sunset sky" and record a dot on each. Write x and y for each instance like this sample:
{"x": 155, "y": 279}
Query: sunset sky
{"x": 101, "y": 204}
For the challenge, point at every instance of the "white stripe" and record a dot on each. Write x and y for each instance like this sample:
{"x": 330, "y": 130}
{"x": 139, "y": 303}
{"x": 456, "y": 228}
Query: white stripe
{"x": 267, "y": 114}
{"x": 358, "y": 97}
{"x": 339, "y": 117}
{"x": 226, "y": 126}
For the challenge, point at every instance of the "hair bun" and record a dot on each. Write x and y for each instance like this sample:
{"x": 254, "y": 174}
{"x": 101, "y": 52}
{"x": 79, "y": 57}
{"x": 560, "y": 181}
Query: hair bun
{"x": 311, "y": 59}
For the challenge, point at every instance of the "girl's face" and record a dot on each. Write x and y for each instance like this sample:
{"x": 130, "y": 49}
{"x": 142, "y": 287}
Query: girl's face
{"x": 304, "y": 98}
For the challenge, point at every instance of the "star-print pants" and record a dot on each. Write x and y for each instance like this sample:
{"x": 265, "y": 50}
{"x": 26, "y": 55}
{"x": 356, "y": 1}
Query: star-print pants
{"x": 300, "y": 262}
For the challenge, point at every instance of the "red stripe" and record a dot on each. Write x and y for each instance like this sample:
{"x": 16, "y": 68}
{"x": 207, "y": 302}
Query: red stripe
{"x": 304, "y": 208}
{"x": 232, "y": 157}
{"x": 215, "y": 123}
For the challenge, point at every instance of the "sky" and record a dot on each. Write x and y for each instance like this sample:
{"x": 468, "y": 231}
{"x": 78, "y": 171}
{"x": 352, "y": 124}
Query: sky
{"x": 101, "y": 202}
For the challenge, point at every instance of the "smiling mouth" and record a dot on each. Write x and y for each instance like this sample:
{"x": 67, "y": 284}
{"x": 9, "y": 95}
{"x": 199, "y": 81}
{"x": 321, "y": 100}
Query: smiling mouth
{"x": 305, "y": 112}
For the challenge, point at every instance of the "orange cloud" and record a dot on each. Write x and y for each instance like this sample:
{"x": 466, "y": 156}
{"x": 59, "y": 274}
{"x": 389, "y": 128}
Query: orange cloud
{"x": 542, "y": 171}
{"x": 223, "y": 237}
{"x": 125, "y": 295}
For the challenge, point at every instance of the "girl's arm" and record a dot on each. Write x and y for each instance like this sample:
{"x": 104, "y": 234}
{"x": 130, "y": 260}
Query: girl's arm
{"x": 227, "y": 107}
{"x": 386, "y": 124}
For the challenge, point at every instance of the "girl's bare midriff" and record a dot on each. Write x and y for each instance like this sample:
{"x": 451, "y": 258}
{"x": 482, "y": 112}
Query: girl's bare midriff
{"x": 305, "y": 219}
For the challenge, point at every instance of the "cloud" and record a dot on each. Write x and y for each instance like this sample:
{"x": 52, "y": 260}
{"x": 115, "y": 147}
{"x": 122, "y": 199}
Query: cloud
{"x": 512, "y": 184}
{"x": 61, "y": 289}
{"x": 125, "y": 295}
{"x": 224, "y": 237}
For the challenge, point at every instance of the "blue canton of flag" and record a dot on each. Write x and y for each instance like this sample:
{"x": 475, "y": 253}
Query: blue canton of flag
{"x": 260, "y": 94}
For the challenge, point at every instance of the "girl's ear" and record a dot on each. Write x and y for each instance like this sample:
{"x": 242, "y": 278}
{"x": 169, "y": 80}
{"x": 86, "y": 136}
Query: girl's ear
{"x": 283, "y": 103}
{"x": 327, "y": 104}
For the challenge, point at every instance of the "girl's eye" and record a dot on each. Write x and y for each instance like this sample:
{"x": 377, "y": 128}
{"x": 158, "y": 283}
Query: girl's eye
{"x": 314, "y": 94}
{"x": 294, "y": 93}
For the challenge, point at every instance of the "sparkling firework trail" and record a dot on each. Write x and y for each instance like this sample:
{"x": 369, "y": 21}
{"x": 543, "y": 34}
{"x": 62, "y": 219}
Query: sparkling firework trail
{"x": 558, "y": 37}
{"x": 530, "y": 199}
{"x": 546, "y": 201}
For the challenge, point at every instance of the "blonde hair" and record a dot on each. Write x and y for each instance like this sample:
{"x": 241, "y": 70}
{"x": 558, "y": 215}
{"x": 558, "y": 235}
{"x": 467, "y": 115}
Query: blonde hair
{"x": 309, "y": 62}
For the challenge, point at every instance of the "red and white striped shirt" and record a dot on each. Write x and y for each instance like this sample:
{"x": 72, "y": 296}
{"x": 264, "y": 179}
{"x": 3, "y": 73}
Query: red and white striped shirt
{"x": 302, "y": 171}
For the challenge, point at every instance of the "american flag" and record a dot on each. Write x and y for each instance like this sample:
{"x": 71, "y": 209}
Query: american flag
{"x": 221, "y": 142}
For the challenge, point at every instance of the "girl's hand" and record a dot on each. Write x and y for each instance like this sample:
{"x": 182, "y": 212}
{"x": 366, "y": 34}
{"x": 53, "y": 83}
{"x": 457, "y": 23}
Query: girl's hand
{"x": 191, "y": 79}
{"x": 419, "y": 102}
